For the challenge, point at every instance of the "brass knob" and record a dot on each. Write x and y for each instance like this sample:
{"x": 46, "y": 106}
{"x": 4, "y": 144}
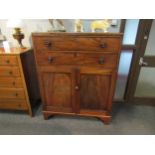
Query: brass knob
{"x": 101, "y": 61}
{"x": 50, "y": 59}
{"x": 103, "y": 45}
{"x": 76, "y": 87}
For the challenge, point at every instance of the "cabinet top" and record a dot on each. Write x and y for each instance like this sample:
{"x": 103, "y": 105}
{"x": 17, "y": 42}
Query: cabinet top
{"x": 13, "y": 51}
{"x": 76, "y": 34}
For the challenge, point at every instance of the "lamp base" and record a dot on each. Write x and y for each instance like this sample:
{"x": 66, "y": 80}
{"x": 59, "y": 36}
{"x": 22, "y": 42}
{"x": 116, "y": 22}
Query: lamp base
{"x": 19, "y": 36}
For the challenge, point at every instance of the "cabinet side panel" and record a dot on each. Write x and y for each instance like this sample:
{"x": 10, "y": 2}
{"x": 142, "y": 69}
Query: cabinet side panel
{"x": 30, "y": 74}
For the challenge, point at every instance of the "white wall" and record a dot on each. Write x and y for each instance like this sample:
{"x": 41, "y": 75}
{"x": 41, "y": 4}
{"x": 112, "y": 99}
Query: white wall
{"x": 29, "y": 26}
{"x": 130, "y": 32}
{"x": 38, "y": 25}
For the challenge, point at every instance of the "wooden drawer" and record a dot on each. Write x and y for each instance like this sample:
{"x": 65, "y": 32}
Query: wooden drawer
{"x": 11, "y": 82}
{"x": 91, "y": 59}
{"x": 12, "y": 93}
{"x": 8, "y": 60}
{"x": 13, "y": 104}
{"x": 9, "y": 71}
{"x": 77, "y": 44}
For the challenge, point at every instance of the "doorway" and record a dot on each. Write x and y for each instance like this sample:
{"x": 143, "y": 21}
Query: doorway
{"x": 141, "y": 84}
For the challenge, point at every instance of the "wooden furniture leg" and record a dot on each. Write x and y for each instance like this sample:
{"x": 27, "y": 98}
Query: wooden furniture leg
{"x": 46, "y": 116}
{"x": 106, "y": 119}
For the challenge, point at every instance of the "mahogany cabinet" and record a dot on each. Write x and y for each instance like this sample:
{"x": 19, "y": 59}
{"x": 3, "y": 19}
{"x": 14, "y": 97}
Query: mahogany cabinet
{"x": 77, "y": 72}
{"x": 18, "y": 81}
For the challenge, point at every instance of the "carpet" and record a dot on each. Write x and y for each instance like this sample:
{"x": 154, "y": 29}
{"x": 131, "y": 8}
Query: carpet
{"x": 126, "y": 120}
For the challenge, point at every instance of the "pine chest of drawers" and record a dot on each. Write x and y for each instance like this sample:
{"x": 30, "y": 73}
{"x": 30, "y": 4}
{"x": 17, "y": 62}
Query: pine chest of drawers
{"x": 18, "y": 84}
{"x": 77, "y": 72}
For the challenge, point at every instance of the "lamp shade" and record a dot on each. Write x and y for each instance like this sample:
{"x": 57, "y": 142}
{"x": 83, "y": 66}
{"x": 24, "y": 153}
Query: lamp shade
{"x": 14, "y": 23}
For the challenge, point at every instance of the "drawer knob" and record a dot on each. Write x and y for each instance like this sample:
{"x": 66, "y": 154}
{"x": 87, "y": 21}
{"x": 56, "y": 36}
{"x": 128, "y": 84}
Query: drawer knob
{"x": 76, "y": 87}
{"x": 7, "y": 61}
{"x": 16, "y": 94}
{"x": 48, "y": 44}
{"x": 19, "y": 105}
{"x": 50, "y": 59}
{"x": 101, "y": 61}
{"x": 10, "y": 72}
{"x": 103, "y": 45}
{"x": 13, "y": 83}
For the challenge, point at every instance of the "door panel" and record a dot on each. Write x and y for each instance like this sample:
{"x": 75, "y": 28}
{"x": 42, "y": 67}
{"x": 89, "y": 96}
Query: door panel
{"x": 58, "y": 90}
{"x": 94, "y": 90}
{"x": 146, "y": 84}
{"x": 145, "y": 88}
{"x": 150, "y": 48}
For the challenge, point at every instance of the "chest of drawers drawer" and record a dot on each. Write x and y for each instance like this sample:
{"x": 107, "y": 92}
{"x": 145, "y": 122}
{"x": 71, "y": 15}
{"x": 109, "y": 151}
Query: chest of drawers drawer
{"x": 13, "y": 104}
{"x": 8, "y": 60}
{"x": 77, "y": 44}
{"x": 12, "y": 93}
{"x": 11, "y": 82}
{"x": 91, "y": 59}
{"x": 9, "y": 71}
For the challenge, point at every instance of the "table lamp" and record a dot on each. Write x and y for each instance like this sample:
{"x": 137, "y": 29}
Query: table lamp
{"x": 18, "y": 35}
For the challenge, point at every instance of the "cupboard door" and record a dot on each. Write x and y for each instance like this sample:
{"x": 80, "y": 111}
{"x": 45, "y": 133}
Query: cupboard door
{"x": 94, "y": 90}
{"x": 57, "y": 84}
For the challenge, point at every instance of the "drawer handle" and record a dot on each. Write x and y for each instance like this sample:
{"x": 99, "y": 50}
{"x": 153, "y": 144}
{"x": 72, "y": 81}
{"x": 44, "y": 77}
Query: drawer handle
{"x": 50, "y": 59}
{"x": 103, "y": 45}
{"x": 10, "y": 72}
{"x": 14, "y": 83}
{"x": 19, "y": 105}
{"x": 7, "y": 61}
{"x": 48, "y": 44}
{"x": 16, "y": 94}
{"x": 101, "y": 61}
